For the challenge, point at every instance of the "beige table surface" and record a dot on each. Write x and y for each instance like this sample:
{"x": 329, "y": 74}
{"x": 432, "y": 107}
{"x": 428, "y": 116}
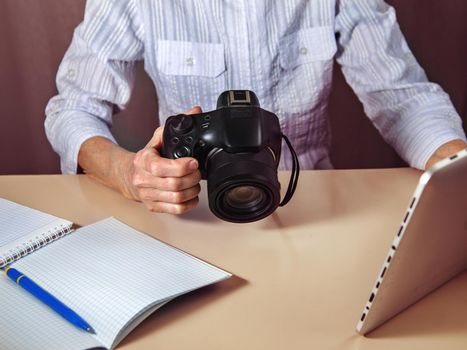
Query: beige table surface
{"x": 301, "y": 276}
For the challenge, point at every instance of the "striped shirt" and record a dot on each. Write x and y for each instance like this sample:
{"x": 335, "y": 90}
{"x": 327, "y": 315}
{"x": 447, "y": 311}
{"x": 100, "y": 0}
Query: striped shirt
{"x": 282, "y": 50}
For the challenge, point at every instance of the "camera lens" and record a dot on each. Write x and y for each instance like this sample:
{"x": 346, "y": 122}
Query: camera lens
{"x": 244, "y": 197}
{"x": 242, "y": 187}
{"x": 239, "y": 202}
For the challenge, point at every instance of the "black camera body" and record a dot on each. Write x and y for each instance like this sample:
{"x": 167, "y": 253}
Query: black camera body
{"x": 238, "y": 148}
{"x": 236, "y": 126}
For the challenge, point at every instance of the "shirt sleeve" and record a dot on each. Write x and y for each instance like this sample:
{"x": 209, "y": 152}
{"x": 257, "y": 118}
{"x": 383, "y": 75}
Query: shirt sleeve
{"x": 95, "y": 77}
{"x": 412, "y": 114}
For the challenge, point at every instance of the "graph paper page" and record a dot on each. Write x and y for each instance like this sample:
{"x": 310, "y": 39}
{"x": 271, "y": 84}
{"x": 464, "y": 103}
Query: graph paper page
{"x": 28, "y": 324}
{"x": 108, "y": 273}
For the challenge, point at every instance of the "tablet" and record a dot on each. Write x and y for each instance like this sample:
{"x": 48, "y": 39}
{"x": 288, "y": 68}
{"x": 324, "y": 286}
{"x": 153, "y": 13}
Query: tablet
{"x": 430, "y": 246}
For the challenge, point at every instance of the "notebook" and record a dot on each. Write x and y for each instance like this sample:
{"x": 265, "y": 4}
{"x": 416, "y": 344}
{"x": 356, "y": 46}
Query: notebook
{"x": 112, "y": 275}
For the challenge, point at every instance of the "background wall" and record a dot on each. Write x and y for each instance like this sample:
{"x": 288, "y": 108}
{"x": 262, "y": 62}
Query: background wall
{"x": 437, "y": 34}
{"x": 33, "y": 38}
{"x": 35, "y": 34}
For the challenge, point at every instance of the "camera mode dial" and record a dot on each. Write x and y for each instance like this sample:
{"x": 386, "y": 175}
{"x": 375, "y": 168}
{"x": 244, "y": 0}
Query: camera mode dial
{"x": 182, "y": 124}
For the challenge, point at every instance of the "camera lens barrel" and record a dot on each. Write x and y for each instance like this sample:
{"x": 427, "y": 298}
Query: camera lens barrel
{"x": 243, "y": 187}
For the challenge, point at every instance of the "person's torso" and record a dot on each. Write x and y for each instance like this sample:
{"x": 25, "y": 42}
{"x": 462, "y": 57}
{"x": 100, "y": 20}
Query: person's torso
{"x": 281, "y": 50}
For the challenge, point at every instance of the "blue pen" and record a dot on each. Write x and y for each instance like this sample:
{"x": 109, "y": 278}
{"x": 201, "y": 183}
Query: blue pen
{"x": 47, "y": 299}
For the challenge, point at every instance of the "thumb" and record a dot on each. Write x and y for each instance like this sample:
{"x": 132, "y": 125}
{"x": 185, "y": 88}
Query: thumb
{"x": 194, "y": 110}
{"x": 156, "y": 139}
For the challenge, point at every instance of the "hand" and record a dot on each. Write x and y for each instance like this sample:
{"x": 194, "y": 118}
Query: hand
{"x": 446, "y": 150}
{"x": 163, "y": 185}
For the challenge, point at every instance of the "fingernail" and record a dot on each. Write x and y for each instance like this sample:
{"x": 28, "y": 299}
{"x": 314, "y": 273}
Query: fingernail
{"x": 193, "y": 165}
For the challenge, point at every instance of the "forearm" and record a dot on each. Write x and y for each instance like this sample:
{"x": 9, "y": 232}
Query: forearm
{"x": 108, "y": 163}
{"x": 446, "y": 150}
{"x": 95, "y": 78}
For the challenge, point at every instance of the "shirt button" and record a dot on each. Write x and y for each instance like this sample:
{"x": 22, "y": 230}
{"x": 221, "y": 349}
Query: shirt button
{"x": 190, "y": 61}
{"x": 71, "y": 74}
{"x": 303, "y": 50}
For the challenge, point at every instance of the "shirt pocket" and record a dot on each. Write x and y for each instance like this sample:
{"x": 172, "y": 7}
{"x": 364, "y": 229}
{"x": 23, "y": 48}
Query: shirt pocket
{"x": 305, "y": 75}
{"x": 186, "y": 58}
{"x": 307, "y": 45}
{"x": 188, "y": 74}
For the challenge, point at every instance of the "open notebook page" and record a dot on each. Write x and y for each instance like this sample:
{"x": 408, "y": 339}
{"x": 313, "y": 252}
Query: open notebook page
{"x": 110, "y": 274}
{"x": 19, "y": 225}
{"x": 28, "y": 324}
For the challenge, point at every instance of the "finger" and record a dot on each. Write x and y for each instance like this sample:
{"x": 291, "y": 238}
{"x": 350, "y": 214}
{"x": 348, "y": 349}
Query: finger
{"x": 170, "y": 184}
{"x": 164, "y": 167}
{"x": 175, "y": 197}
{"x": 150, "y": 161}
{"x": 170, "y": 208}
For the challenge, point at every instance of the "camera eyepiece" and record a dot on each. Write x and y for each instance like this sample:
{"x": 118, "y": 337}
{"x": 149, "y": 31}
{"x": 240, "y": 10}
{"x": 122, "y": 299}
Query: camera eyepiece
{"x": 238, "y": 147}
{"x": 237, "y": 98}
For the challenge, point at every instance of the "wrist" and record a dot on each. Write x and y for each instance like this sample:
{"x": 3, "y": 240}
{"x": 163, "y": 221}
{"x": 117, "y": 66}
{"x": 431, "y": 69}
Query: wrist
{"x": 123, "y": 175}
{"x": 446, "y": 150}
{"x": 107, "y": 163}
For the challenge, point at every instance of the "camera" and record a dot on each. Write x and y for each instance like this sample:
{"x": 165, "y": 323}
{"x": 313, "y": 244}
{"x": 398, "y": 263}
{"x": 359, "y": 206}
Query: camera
{"x": 238, "y": 147}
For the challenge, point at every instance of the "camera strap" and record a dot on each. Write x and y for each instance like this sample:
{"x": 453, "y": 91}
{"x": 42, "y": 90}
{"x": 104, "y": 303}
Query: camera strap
{"x": 293, "y": 176}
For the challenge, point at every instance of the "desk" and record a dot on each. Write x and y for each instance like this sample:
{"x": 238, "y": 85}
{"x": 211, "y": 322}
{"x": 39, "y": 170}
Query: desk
{"x": 302, "y": 275}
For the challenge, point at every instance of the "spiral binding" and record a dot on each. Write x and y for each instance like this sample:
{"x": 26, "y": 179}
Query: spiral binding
{"x": 38, "y": 242}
